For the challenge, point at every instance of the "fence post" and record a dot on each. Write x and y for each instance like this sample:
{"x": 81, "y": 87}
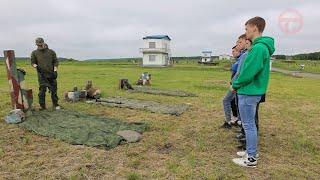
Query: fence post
{"x": 20, "y": 98}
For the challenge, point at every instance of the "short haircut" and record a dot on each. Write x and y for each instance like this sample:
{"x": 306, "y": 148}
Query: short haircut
{"x": 234, "y": 47}
{"x": 257, "y": 21}
{"x": 243, "y": 36}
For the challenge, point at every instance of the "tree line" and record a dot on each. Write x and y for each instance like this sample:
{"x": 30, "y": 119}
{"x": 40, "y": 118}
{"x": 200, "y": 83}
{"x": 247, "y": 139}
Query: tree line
{"x": 306, "y": 56}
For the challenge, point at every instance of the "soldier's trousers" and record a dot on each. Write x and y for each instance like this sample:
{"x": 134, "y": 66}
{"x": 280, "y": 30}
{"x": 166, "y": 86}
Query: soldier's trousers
{"x": 44, "y": 83}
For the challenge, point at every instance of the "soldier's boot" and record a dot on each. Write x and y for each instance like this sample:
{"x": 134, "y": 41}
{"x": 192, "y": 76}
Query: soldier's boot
{"x": 43, "y": 107}
{"x": 54, "y": 96}
{"x": 54, "y": 99}
{"x": 56, "y": 106}
{"x": 42, "y": 97}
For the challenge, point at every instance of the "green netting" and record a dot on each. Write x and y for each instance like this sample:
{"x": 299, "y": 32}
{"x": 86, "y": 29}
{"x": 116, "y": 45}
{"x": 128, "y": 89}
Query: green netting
{"x": 78, "y": 128}
{"x": 155, "y": 107}
{"x": 147, "y": 90}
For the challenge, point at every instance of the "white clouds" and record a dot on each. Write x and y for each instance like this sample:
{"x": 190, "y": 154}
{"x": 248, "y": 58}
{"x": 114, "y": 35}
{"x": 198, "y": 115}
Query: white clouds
{"x": 104, "y": 29}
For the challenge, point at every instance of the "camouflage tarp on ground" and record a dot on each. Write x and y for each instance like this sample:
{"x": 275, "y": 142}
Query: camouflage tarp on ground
{"x": 155, "y": 107}
{"x": 147, "y": 90}
{"x": 79, "y": 128}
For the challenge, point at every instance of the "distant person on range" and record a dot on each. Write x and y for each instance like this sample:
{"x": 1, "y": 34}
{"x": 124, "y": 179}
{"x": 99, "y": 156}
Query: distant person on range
{"x": 45, "y": 61}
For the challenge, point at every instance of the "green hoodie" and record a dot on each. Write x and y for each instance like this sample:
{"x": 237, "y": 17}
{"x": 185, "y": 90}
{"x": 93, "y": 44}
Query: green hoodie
{"x": 254, "y": 75}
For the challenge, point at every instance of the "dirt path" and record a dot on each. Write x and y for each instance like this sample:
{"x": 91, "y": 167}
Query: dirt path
{"x": 296, "y": 73}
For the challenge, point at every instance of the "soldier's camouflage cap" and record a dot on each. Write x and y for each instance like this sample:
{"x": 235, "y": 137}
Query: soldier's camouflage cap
{"x": 39, "y": 41}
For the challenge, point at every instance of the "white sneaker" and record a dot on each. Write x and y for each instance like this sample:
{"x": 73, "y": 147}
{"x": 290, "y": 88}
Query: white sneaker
{"x": 244, "y": 154}
{"x": 239, "y": 123}
{"x": 241, "y": 153}
{"x": 246, "y": 162}
{"x": 58, "y": 108}
{"x": 233, "y": 120}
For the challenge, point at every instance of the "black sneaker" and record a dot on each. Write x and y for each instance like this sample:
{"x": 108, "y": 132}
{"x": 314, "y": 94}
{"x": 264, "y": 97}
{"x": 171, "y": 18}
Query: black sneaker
{"x": 226, "y": 125}
{"x": 242, "y": 147}
{"x": 242, "y": 140}
{"x": 239, "y": 131}
{"x": 240, "y": 136}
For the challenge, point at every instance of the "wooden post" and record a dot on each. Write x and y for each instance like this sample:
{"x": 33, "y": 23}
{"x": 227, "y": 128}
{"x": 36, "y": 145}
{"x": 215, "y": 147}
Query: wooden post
{"x": 20, "y": 98}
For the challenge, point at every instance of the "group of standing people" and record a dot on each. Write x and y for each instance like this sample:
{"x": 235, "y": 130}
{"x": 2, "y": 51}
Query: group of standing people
{"x": 249, "y": 82}
{"x": 248, "y": 86}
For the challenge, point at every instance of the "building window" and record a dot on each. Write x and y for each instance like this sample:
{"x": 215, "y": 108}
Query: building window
{"x": 152, "y": 44}
{"x": 152, "y": 58}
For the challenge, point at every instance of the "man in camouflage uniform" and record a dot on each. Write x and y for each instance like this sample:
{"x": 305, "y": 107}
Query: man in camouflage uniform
{"x": 46, "y": 62}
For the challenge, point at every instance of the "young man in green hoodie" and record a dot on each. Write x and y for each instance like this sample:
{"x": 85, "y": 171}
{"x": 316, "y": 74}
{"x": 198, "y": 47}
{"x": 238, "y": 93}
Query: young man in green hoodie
{"x": 251, "y": 84}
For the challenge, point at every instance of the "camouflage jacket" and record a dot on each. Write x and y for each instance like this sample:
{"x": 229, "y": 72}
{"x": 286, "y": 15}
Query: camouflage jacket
{"x": 46, "y": 59}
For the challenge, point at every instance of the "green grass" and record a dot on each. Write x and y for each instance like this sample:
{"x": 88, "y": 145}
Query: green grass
{"x": 289, "y": 136}
{"x": 310, "y": 66}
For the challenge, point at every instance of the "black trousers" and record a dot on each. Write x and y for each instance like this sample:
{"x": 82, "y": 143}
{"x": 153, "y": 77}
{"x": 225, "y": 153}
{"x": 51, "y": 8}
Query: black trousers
{"x": 234, "y": 107}
{"x": 50, "y": 83}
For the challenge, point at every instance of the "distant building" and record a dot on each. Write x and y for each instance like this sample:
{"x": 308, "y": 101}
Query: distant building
{"x": 156, "y": 51}
{"x": 215, "y": 58}
{"x": 225, "y": 57}
{"x": 206, "y": 56}
{"x": 208, "y": 59}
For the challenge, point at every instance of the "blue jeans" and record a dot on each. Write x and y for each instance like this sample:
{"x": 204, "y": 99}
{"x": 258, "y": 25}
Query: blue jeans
{"x": 227, "y": 105}
{"x": 247, "y": 108}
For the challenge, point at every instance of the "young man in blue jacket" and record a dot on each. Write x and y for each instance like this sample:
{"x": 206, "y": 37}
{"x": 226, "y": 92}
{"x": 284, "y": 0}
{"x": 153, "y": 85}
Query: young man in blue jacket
{"x": 229, "y": 99}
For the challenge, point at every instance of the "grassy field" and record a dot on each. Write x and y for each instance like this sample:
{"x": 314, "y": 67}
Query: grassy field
{"x": 310, "y": 66}
{"x": 187, "y": 147}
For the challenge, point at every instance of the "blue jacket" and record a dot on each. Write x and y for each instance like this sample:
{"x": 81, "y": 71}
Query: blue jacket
{"x": 234, "y": 66}
{"x": 240, "y": 61}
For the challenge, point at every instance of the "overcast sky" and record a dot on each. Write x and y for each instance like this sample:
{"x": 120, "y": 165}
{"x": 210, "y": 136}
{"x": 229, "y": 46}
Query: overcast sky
{"x": 85, "y": 29}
